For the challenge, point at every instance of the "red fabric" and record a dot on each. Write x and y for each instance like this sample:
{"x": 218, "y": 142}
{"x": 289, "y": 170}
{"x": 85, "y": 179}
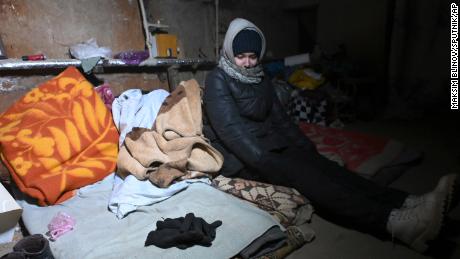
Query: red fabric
{"x": 354, "y": 148}
{"x": 57, "y": 138}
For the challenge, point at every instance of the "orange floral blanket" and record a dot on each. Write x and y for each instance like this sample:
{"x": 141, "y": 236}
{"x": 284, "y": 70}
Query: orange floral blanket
{"x": 57, "y": 138}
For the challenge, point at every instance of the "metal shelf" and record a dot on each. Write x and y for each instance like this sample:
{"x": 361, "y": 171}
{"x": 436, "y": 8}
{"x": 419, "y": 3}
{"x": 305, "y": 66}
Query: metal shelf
{"x": 18, "y": 64}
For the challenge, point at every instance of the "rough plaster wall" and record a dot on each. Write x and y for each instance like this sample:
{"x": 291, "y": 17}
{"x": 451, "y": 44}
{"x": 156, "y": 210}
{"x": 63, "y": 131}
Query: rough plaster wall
{"x": 51, "y": 26}
{"x": 360, "y": 25}
{"x": 419, "y": 66}
{"x": 424, "y": 63}
{"x": 192, "y": 22}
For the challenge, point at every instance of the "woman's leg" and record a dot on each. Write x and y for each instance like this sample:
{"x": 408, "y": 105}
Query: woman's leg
{"x": 334, "y": 191}
{"x": 383, "y": 194}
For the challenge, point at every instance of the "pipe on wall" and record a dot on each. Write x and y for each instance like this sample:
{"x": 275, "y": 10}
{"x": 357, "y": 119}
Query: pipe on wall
{"x": 217, "y": 29}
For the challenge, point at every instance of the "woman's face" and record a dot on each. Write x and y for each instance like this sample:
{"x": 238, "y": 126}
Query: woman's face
{"x": 246, "y": 60}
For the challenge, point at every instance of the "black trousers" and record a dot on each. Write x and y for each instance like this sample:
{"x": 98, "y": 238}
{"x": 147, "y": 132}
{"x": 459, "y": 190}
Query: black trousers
{"x": 336, "y": 193}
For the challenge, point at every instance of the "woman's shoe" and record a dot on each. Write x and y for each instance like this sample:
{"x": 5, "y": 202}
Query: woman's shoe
{"x": 14, "y": 255}
{"x": 416, "y": 226}
{"x": 34, "y": 247}
{"x": 446, "y": 187}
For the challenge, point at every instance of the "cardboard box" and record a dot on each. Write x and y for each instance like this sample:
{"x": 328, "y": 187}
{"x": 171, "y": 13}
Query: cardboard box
{"x": 10, "y": 211}
{"x": 164, "y": 46}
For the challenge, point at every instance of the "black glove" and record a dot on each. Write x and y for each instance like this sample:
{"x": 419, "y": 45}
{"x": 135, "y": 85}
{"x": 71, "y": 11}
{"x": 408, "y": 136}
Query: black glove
{"x": 183, "y": 232}
{"x": 200, "y": 226}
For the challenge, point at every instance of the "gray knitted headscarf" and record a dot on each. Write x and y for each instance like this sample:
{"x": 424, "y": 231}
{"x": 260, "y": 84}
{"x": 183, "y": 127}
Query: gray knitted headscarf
{"x": 252, "y": 75}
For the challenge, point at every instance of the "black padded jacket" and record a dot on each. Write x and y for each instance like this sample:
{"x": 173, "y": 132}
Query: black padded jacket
{"x": 246, "y": 121}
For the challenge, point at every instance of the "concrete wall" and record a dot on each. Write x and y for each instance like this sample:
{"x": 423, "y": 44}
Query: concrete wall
{"x": 417, "y": 52}
{"x": 194, "y": 23}
{"x": 191, "y": 21}
{"x": 413, "y": 72}
{"x": 52, "y": 26}
{"x": 358, "y": 24}
{"x": 419, "y": 71}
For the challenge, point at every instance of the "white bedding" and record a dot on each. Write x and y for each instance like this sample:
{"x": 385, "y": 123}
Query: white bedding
{"x": 131, "y": 193}
{"x": 99, "y": 234}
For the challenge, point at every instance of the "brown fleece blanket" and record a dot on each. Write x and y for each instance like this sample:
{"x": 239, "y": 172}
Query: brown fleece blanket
{"x": 174, "y": 149}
